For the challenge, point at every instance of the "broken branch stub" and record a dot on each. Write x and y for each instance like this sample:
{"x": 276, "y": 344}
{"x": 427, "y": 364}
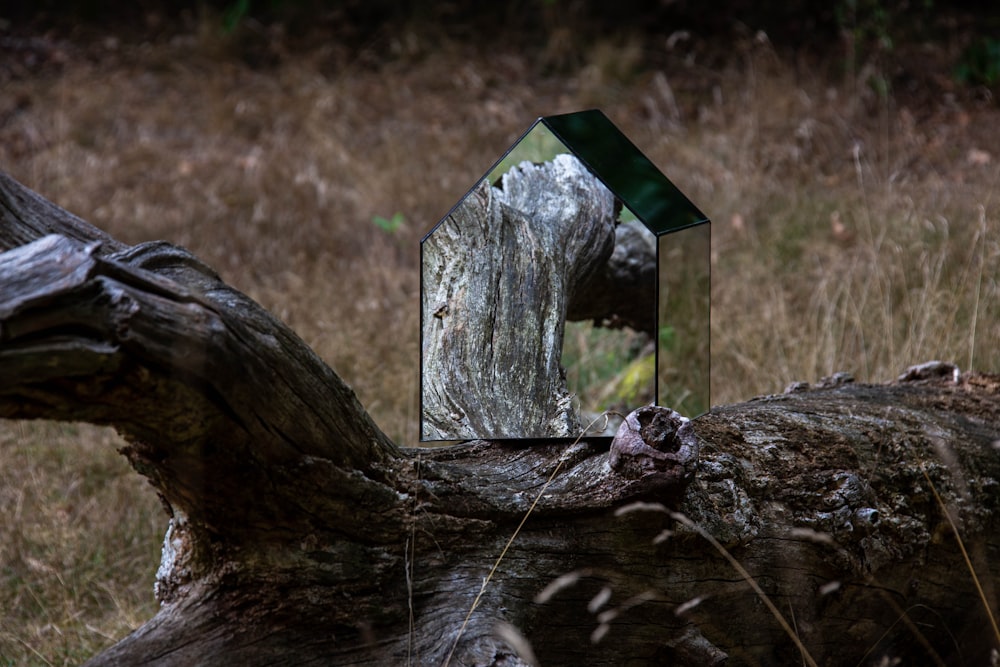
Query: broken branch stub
{"x": 655, "y": 444}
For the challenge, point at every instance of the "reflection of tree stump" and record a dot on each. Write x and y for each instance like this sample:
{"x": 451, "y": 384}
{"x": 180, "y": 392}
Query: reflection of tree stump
{"x": 500, "y": 275}
{"x": 623, "y": 292}
{"x": 300, "y": 535}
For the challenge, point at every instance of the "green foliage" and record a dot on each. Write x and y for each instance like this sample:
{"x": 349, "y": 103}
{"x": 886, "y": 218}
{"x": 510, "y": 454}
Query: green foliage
{"x": 865, "y": 26}
{"x": 606, "y": 368}
{"x": 867, "y": 22}
{"x": 237, "y": 12}
{"x": 390, "y": 225}
{"x": 234, "y": 14}
{"x": 632, "y": 385}
{"x": 539, "y": 145}
{"x": 980, "y": 63}
{"x": 668, "y": 337}
{"x": 870, "y": 29}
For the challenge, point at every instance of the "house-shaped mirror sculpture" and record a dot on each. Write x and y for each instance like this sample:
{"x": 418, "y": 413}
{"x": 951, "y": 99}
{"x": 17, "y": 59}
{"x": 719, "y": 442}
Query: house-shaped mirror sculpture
{"x": 569, "y": 287}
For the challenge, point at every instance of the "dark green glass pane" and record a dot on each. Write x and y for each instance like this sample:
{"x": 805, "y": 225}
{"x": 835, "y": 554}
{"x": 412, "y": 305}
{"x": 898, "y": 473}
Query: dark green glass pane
{"x": 625, "y": 170}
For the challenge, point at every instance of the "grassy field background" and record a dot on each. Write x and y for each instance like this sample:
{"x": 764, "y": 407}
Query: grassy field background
{"x": 855, "y": 226}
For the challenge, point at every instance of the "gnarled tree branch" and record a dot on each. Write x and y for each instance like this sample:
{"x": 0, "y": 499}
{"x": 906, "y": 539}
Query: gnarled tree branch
{"x": 300, "y": 534}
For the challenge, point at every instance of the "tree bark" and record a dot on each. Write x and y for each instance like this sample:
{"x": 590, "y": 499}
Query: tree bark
{"x": 299, "y": 534}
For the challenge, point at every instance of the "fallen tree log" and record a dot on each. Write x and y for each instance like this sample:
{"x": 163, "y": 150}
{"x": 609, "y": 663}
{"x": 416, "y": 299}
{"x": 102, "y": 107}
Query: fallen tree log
{"x": 817, "y": 526}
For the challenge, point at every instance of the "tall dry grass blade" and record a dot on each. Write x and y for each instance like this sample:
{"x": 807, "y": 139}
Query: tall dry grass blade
{"x": 806, "y": 656}
{"x": 408, "y": 550}
{"x": 559, "y": 583}
{"x": 35, "y": 651}
{"x": 965, "y": 554}
{"x": 517, "y": 641}
{"x": 904, "y": 618}
{"x": 410, "y": 554}
{"x": 981, "y": 240}
{"x": 496, "y": 564}
{"x": 524, "y": 519}
{"x": 683, "y": 519}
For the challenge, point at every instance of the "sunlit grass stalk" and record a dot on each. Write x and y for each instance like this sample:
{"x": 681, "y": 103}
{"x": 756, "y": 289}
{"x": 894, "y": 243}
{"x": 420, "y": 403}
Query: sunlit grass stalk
{"x": 681, "y": 518}
{"x": 965, "y": 555}
{"x": 903, "y": 618}
{"x": 688, "y": 523}
{"x": 496, "y": 564}
{"x": 981, "y": 240}
{"x": 503, "y": 552}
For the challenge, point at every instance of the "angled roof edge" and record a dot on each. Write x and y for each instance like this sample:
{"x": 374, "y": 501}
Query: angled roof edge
{"x": 622, "y": 167}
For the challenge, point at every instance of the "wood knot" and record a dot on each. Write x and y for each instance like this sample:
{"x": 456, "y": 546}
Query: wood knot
{"x": 931, "y": 370}
{"x": 655, "y": 444}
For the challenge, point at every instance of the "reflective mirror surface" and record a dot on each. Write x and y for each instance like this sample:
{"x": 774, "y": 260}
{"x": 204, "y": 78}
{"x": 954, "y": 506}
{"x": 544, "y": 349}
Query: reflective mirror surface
{"x": 683, "y": 342}
{"x": 539, "y": 306}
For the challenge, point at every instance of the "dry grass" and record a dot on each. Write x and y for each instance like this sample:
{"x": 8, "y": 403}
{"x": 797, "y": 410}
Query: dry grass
{"x": 848, "y": 235}
{"x": 851, "y": 233}
{"x": 78, "y": 544}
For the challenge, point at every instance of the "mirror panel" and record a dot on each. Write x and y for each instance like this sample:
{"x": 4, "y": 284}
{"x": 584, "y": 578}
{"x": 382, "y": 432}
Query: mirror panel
{"x": 539, "y": 290}
{"x": 537, "y": 145}
{"x": 684, "y": 320}
{"x": 609, "y": 351}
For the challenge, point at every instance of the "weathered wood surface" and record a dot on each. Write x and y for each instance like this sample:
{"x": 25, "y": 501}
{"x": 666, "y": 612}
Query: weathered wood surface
{"x": 501, "y": 275}
{"x": 301, "y": 535}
